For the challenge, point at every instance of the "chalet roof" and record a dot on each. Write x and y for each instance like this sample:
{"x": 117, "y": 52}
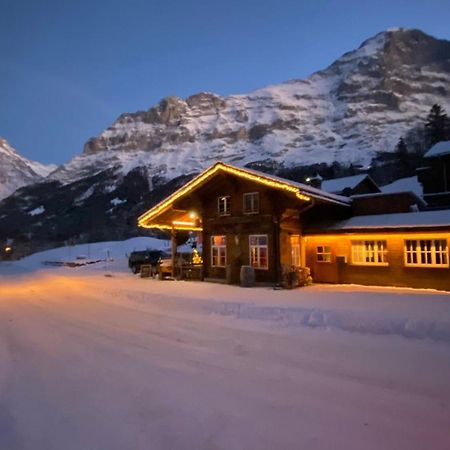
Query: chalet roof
{"x": 337, "y": 185}
{"x": 390, "y": 196}
{"x": 312, "y": 191}
{"x": 439, "y": 149}
{"x": 301, "y": 191}
{"x": 421, "y": 219}
{"x": 409, "y": 184}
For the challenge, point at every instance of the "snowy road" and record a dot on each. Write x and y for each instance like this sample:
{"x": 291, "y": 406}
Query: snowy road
{"x": 89, "y": 362}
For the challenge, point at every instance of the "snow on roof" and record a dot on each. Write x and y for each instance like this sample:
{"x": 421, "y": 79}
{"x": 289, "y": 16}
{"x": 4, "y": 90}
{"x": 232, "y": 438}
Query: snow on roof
{"x": 339, "y": 184}
{"x": 429, "y": 219}
{"x": 301, "y": 191}
{"x": 441, "y": 148}
{"x": 409, "y": 184}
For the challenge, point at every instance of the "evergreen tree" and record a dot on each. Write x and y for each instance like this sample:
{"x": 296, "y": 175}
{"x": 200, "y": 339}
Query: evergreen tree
{"x": 402, "y": 154}
{"x": 401, "y": 149}
{"x": 437, "y": 126}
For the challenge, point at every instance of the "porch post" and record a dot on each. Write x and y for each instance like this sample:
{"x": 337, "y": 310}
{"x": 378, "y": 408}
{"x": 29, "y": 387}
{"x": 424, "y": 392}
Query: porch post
{"x": 276, "y": 249}
{"x": 174, "y": 250}
{"x": 202, "y": 276}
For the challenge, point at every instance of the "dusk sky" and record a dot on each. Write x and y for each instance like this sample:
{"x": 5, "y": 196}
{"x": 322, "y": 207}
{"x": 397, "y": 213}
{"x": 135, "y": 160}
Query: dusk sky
{"x": 70, "y": 68}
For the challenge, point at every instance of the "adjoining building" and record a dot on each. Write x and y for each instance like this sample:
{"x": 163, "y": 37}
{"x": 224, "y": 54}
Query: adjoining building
{"x": 246, "y": 217}
{"x": 435, "y": 175}
{"x": 353, "y": 185}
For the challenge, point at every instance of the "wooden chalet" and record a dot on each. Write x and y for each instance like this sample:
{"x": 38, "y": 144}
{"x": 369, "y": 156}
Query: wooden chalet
{"x": 246, "y": 217}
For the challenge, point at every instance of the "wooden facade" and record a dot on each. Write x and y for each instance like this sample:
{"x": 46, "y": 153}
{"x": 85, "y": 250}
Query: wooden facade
{"x": 268, "y": 237}
{"x": 237, "y": 225}
{"x": 250, "y": 218}
{"x": 341, "y": 267}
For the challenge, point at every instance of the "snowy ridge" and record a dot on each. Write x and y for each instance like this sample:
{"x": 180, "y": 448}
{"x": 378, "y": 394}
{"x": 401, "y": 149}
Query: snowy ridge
{"x": 17, "y": 171}
{"x": 360, "y": 104}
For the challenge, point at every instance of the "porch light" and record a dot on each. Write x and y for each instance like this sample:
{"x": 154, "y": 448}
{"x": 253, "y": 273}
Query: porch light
{"x": 183, "y": 223}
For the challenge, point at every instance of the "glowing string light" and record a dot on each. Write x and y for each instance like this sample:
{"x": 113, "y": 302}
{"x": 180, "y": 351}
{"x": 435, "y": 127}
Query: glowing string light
{"x": 145, "y": 218}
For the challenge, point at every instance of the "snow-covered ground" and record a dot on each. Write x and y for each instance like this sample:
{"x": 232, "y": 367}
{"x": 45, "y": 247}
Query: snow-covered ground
{"x": 97, "y": 358}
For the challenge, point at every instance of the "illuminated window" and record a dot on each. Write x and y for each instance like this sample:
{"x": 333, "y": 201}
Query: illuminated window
{"x": 224, "y": 205}
{"x": 251, "y": 203}
{"x": 369, "y": 253}
{"x": 259, "y": 251}
{"x": 218, "y": 251}
{"x": 426, "y": 253}
{"x": 323, "y": 253}
{"x": 295, "y": 250}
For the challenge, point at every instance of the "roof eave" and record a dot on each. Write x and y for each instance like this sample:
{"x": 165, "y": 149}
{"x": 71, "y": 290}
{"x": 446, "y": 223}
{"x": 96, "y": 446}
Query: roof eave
{"x": 276, "y": 183}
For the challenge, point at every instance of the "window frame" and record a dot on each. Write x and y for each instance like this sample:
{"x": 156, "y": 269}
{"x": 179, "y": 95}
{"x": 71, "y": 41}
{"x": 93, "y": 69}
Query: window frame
{"x": 365, "y": 253}
{"x": 221, "y": 250}
{"x": 258, "y": 247}
{"x": 323, "y": 253}
{"x": 252, "y": 196}
{"x": 419, "y": 252}
{"x": 227, "y": 205}
{"x": 298, "y": 253}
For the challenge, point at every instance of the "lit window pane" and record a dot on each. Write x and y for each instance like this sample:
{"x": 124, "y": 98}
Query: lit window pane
{"x": 258, "y": 249}
{"x": 426, "y": 252}
{"x": 369, "y": 252}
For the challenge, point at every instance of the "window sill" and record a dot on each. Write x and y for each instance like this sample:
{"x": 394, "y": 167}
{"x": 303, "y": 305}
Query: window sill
{"x": 370, "y": 264}
{"x": 426, "y": 266}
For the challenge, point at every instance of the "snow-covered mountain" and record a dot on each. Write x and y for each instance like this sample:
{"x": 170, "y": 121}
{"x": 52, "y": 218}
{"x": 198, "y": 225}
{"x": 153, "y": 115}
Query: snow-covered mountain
{"x": 360, "y": 104}
{"x": 17, "y": 171}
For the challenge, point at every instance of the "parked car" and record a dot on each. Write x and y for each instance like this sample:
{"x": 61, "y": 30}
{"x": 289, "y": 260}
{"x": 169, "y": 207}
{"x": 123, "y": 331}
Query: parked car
{"x": 152, "y": 257}
{"x": 184, "y": 266}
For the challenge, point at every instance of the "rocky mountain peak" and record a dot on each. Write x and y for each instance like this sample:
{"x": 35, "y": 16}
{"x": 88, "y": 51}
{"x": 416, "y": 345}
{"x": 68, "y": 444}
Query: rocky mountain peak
{"x": 414, "y": 47}
{"x": 362, "y": 103}
{"x": 17, "y": 171}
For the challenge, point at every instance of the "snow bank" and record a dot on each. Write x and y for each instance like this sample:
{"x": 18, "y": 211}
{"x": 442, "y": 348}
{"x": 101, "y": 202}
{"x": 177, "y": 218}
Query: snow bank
{"x": 360, "y": 322}
{"x": 408, "y": 313}
{"x": 116, "y": 252}
{"x": 97, "y": 250}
